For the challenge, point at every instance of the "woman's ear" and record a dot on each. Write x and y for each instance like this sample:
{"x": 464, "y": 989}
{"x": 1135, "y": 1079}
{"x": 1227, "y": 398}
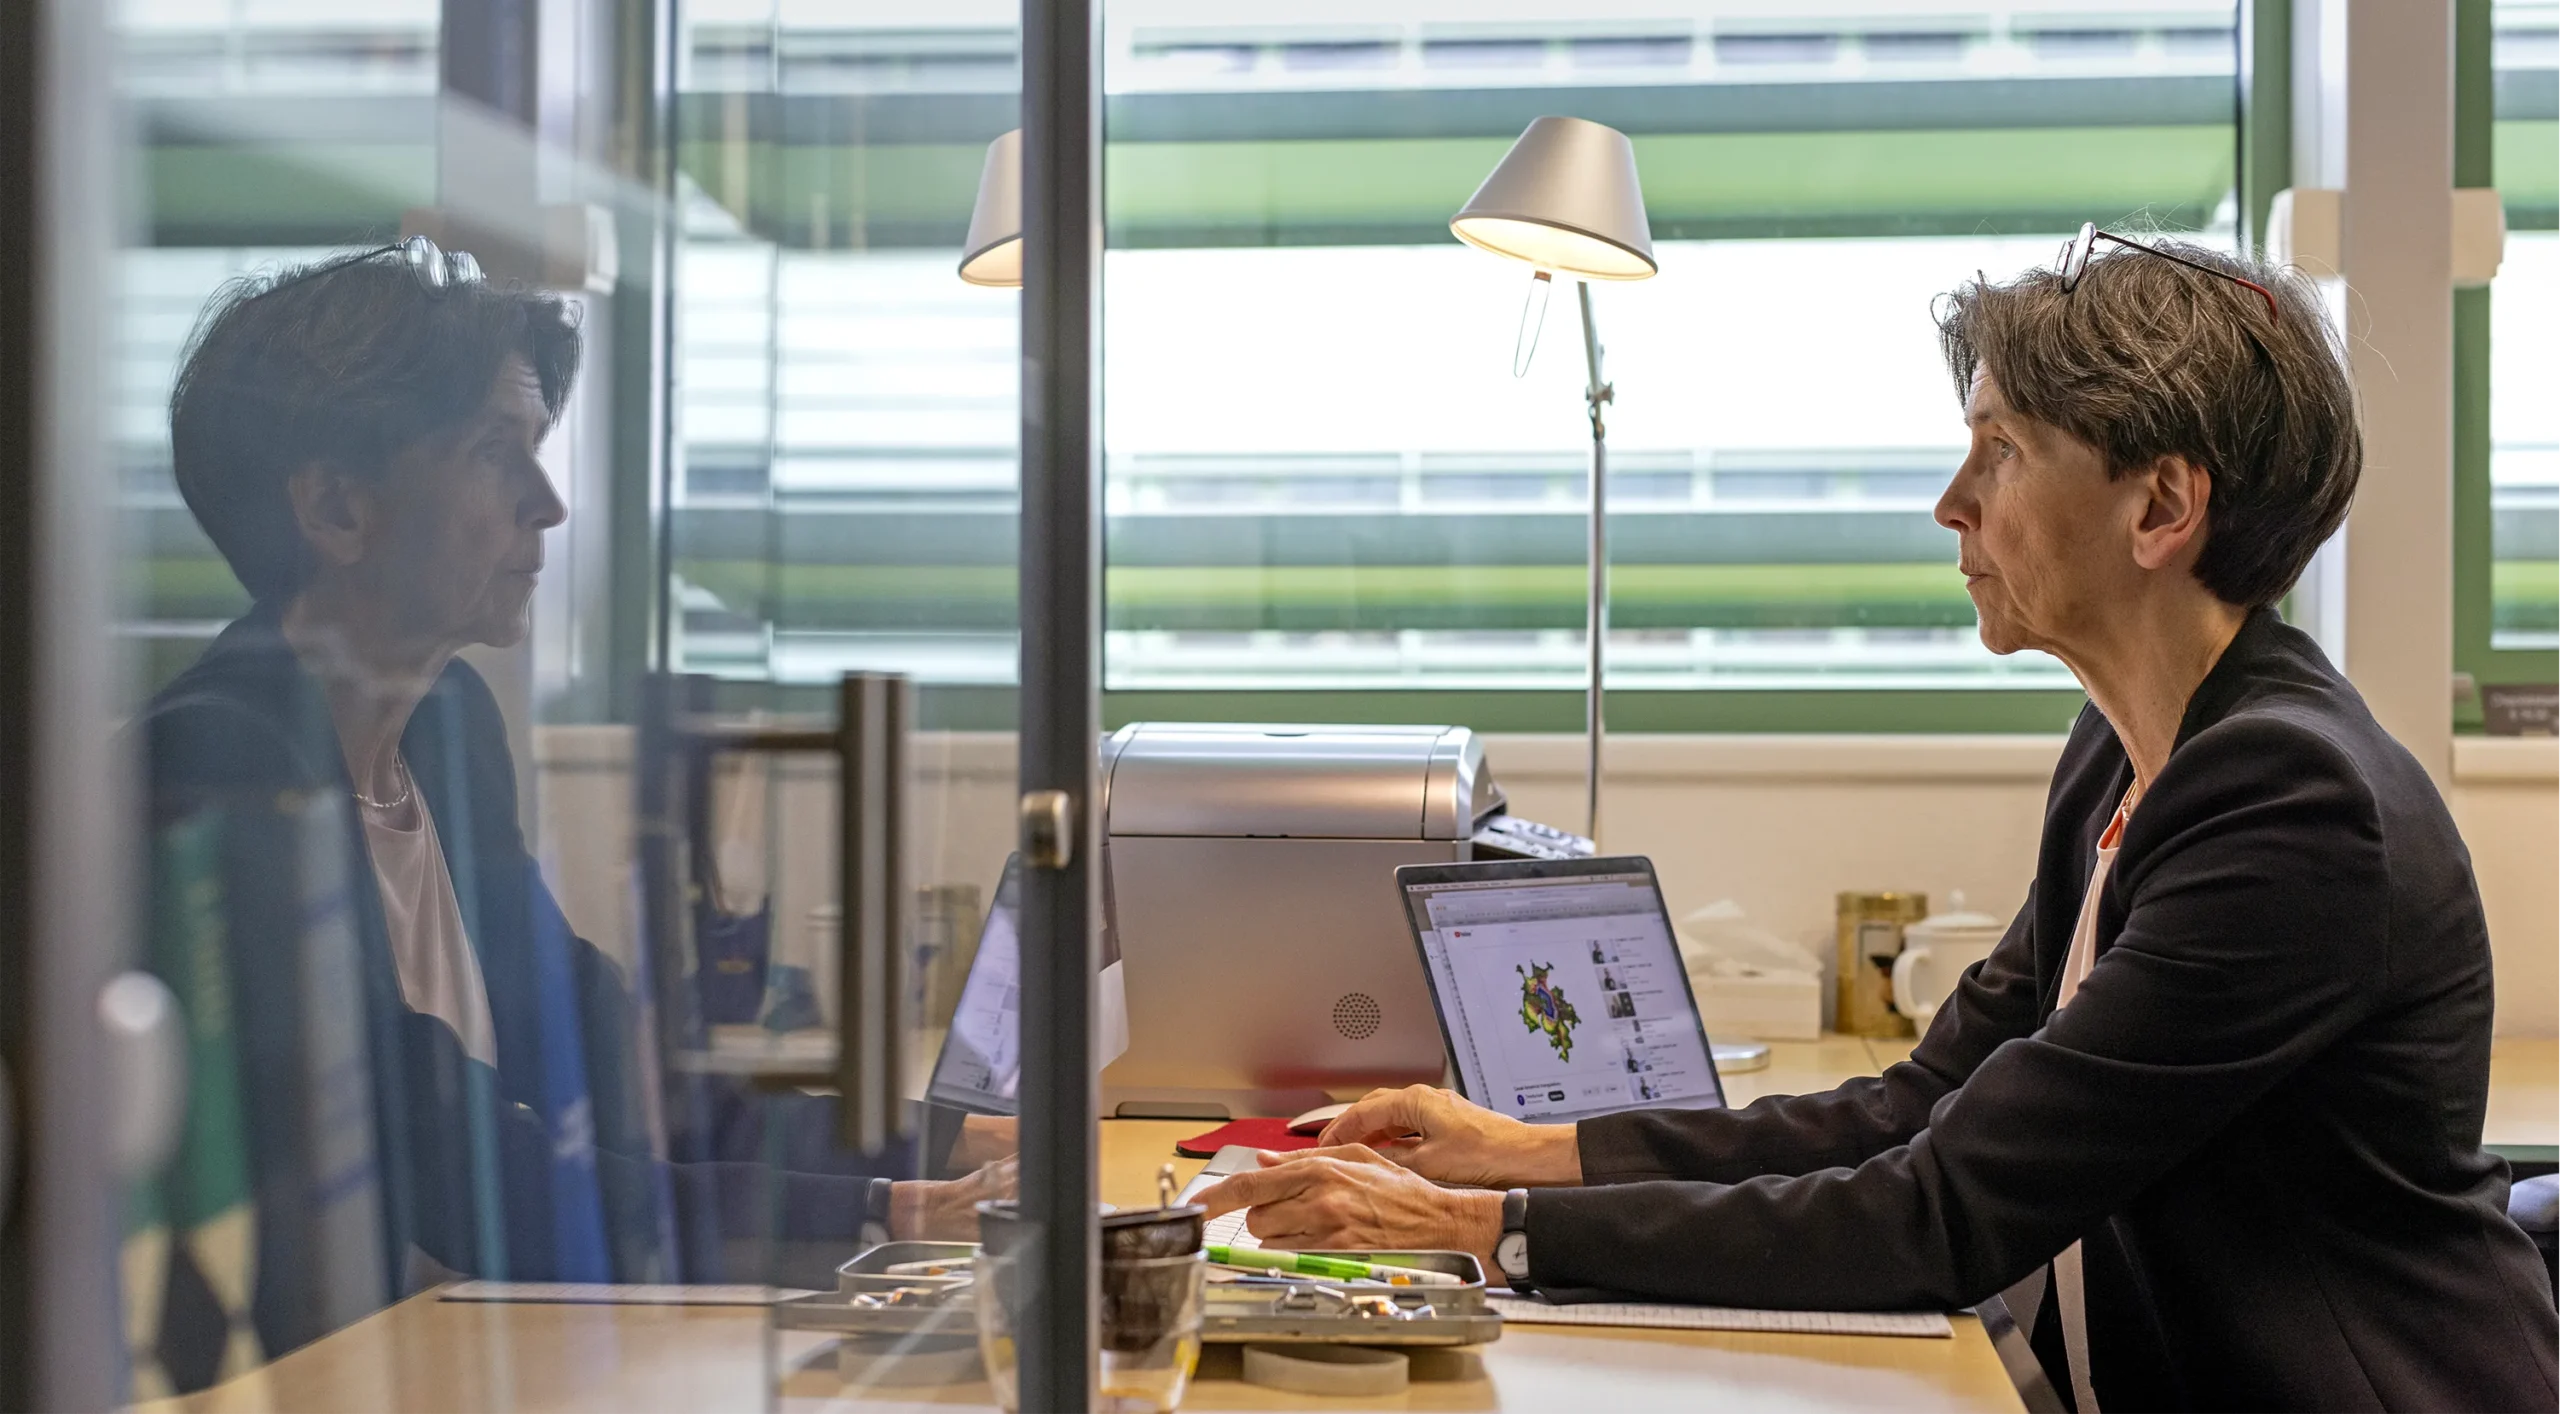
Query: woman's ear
{"x": 2176, "y": 492}
{"x": 334, "y": 512}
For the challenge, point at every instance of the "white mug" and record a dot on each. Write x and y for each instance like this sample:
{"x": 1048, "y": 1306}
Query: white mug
{"x": 1926, "y": 973}
{"x": 1935, "y": 952}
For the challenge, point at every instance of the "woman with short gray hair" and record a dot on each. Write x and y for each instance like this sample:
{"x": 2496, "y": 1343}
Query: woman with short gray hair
{"x": 2225, "y": 1075}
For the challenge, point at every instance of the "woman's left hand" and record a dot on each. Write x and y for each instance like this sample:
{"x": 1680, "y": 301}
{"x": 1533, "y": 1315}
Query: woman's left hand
{"x": 1347, "y": 1198}
{"x": 938, "y": 1211}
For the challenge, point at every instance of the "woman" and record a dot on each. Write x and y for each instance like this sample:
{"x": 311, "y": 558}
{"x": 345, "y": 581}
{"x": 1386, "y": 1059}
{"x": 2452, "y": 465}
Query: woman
{"x": 438, "y": 1076}
{"x": 2227, "y": 1070}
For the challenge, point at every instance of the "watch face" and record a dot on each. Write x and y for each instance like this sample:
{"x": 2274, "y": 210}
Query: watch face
{"x": 1512, "y": 1253}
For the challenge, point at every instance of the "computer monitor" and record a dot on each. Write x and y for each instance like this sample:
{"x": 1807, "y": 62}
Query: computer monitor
{"x": 1559, "y": 987}
{"x": 980, "y": 1068}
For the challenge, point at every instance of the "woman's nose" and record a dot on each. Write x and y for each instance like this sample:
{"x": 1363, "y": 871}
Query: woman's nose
{"x": 544, "y": 509}
{"x": 1955, "y": 509}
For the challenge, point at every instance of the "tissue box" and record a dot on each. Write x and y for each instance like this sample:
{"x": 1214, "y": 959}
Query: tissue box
{"x": 1765, "y": 1006}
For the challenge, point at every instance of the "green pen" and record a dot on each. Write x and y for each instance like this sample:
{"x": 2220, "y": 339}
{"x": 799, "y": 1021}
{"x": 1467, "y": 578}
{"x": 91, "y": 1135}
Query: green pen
{"x": 1338, "y": 1268}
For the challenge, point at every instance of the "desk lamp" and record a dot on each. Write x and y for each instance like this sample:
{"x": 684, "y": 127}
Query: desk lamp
{"x": 1565, "y": 200}
{"x": 993, "y": 253}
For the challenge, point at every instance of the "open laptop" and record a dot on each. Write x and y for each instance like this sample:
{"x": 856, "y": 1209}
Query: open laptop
{"x": 1560, "y": 994}
{"x": 980, "y": 1068}
{"x": 1559, "y": 987}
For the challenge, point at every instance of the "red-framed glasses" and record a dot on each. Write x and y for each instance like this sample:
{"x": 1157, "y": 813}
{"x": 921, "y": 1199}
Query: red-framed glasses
{"x": 2074, "y": 263}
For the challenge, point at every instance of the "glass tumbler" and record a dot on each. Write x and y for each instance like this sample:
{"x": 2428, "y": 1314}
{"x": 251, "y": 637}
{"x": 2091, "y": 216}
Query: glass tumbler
{"x": 1150, "y": 1331}
{"x": 1151, "y": 1305}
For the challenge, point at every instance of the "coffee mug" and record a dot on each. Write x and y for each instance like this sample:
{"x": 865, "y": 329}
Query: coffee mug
{"x": 1935, "y": 952}
{"x": 1926, "y": 973}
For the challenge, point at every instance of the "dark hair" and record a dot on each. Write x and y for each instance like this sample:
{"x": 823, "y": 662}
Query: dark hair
{"x": 2146, "y": 359}
{"x": 348, "y": 362}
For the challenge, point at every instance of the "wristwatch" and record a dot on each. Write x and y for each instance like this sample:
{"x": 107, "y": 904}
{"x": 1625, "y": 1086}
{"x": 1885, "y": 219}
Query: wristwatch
{"x": 1511, "y": 1251}
{"x": 875, "y": 1212}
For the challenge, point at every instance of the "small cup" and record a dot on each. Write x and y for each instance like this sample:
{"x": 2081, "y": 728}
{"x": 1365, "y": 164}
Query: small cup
{"x": 1151, "y": 1308}
{"x": 1152, "y": 1280}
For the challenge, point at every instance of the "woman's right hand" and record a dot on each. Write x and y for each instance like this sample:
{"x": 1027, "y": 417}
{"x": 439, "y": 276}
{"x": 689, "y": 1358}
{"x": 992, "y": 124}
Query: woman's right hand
{"x": 1442, "y": 1137}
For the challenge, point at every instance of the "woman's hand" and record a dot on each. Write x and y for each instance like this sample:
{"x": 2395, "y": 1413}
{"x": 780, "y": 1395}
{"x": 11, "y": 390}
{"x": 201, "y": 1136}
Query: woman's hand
{"x": 1440, "y": 1136}
{"x": 1350, "y": 1199}
{"x": 929, "y": 1210}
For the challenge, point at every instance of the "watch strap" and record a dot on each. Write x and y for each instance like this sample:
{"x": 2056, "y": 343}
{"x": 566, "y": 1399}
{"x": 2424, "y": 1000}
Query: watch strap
{"x": 875, "y": 1211}
{"x": 1515, "y": 1236}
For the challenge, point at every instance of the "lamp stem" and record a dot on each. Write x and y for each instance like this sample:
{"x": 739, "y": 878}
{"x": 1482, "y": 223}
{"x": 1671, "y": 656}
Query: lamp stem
{"x": 1596, "y": 617}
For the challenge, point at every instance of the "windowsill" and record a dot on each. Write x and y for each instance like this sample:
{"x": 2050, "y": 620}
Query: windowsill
{"x": 1522, "y": 755}
{"x": 2507, "y": 760}
{"x": 1782, "y": 757}
{"x": 1673, "y": 757}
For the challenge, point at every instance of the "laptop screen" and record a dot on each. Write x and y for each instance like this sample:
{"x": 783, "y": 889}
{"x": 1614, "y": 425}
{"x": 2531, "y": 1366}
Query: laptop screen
{"x": 980, "y": 1069}
{"x": 1562, "y": 994}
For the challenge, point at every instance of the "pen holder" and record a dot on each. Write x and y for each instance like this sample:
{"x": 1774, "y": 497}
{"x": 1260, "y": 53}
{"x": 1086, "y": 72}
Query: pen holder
{"x": 1152, "y": 1275}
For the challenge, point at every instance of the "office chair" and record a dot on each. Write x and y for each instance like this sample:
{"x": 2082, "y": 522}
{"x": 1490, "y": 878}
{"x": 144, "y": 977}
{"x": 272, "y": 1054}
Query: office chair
{"x": 2534, "y": 1205}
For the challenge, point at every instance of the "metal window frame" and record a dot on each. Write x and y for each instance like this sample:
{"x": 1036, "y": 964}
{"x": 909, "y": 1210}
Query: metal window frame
{"x": 60, "y": 815}
{"x": 2474, "y": 544}
{"x": 1061, "y": 618}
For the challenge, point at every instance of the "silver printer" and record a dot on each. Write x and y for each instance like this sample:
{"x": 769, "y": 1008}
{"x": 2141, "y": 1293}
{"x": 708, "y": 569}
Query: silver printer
{"x": 1249, "y": 879}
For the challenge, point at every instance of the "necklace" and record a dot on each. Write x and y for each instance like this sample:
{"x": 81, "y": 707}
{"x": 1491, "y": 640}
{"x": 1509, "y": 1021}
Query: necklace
{"x": 407, "y": 789}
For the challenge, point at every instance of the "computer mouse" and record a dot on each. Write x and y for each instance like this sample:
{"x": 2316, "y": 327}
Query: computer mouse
{"x": 1314, "y": 1120}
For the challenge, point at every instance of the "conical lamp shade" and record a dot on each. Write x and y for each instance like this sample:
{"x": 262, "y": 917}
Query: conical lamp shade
{"x": 993, "y": 253}
{"x": 1564, "y": 198}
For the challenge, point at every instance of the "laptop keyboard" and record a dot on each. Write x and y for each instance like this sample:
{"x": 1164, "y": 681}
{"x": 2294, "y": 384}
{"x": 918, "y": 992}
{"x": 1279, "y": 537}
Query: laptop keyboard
{"x": 1229, "y": 1231}
{"x": 1226, "y": 1231}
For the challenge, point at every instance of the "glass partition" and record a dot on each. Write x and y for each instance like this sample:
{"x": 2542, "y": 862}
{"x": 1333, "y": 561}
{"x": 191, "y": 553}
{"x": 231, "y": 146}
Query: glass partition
{"x": 566, "y": 635}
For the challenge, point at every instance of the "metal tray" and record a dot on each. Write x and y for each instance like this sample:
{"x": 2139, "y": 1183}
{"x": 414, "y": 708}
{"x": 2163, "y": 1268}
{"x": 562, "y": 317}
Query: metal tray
{"x": 868, "y": 1301}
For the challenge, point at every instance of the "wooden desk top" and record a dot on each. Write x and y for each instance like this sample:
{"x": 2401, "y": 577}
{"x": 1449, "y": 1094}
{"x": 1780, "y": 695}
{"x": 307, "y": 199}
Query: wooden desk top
{"x": 426, "y": 1354}
{"x": 2524, "y": 1099}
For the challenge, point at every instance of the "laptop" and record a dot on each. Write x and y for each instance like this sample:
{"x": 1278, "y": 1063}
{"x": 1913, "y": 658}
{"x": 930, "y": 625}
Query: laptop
{"x": 980, "y": 1068}
{"x": 1560, "y": 994}
{"x": 1559, "y": 987}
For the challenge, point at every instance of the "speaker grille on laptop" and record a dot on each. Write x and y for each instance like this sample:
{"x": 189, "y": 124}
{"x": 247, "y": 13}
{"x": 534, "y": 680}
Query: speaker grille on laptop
{"x": 1357, "y": 1016}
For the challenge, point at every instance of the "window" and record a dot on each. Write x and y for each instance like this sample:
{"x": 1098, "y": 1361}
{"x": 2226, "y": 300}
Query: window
{"x": 1321, "y": 478}
{"x": 846, "y": 494}
{"x": 1322, "y": 475}
{"x": 2524, "y": 357}
{"x": 267, "y": 135}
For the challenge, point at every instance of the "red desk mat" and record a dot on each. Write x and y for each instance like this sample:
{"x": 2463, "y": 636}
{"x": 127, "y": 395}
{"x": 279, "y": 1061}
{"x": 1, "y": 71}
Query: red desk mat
{"x": 1260, "y": 1133}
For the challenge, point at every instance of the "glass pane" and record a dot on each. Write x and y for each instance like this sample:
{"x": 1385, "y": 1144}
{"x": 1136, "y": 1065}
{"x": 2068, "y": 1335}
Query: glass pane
{"x": 1322, "y": 471}
{"x": 2524, "y": 360}
{"x": 844, "y": 500}
{"x": 488, "y": 597}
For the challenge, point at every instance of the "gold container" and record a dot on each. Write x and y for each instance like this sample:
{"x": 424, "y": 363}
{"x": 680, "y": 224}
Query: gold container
{"x": 1870, "y": 939}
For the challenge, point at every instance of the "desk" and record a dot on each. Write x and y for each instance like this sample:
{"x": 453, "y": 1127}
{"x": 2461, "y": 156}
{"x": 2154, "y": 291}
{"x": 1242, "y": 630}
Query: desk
{"x": 2524, "y": 1101}
{"x": 429, "y": 1355}
{"x": 425, "y": 1354}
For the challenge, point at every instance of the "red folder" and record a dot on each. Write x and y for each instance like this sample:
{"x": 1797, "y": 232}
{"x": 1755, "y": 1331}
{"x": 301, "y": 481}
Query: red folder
{"x": 1260, "y": 1133}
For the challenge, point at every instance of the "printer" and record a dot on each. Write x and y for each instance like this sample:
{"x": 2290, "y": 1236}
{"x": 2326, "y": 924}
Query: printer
{"x": 1249, "y": 887}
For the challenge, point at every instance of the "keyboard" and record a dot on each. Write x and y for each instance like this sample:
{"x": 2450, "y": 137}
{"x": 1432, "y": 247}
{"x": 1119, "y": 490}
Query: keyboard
{"x": 1227, "y": 1231}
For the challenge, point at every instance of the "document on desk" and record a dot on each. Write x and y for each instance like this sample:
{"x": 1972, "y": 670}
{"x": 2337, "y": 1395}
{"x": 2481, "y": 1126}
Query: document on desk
{"x": 596, "y": 1293}
{"x": 1647, "y": 1315}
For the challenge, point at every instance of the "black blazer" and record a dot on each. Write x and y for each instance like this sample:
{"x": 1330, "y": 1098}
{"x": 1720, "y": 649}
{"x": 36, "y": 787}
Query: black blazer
{"x": 2261, "y": 1113}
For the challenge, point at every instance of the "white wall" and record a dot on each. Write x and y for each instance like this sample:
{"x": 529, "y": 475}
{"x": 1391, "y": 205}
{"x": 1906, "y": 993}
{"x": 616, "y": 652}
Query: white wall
{"x": 1777, "y": 823}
